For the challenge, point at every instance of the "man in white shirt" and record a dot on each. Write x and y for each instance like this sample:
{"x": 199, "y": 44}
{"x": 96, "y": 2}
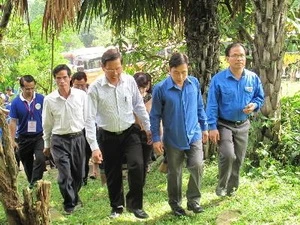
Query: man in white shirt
{"x": 63, "y": 121}
{"x": 115, "y": 98}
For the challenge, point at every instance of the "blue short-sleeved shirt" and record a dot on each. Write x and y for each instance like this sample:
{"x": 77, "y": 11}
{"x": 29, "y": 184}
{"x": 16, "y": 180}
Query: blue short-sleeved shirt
{"x": 24, "y": 112}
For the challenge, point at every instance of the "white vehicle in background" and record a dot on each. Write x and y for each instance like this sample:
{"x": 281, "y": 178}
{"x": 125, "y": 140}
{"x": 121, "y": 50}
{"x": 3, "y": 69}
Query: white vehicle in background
{"x": 87, "y": 60}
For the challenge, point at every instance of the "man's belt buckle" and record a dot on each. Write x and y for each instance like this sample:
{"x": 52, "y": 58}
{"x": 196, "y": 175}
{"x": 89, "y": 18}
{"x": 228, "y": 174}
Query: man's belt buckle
{"x": 239, "y": 122}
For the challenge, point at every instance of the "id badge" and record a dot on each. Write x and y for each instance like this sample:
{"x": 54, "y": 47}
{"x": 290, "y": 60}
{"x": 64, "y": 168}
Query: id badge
{"x": 31, "y": 126}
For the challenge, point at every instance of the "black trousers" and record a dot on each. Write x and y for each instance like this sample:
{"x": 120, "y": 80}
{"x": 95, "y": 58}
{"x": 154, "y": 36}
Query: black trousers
{"x": 116, "y": 148}
{"x": 68, "y": 153}
{"x": 147, "y": 152}
{"x": 32, "y": 157}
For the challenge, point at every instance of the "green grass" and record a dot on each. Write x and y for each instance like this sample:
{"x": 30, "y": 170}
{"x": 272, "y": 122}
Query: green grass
{"x": 273, "y": 199}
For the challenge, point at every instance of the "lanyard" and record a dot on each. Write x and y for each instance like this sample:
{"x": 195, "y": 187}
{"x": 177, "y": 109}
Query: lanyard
{"x": 30, "y": 108}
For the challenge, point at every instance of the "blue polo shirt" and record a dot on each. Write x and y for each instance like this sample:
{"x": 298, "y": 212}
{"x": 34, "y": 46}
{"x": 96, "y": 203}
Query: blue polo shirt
{"x": 24, "y": 112}
{"x": 181, "y": 111}
{"x": 227, "y": 96}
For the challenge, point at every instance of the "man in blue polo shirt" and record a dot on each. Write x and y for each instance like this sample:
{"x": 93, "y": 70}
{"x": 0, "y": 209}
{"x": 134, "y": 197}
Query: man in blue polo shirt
{"x": 26, "y": 123}
{"x": 234, "y": 94}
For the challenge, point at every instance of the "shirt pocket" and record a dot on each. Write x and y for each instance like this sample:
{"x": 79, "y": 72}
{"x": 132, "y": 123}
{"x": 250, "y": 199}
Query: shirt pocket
{"x": 248, "y": 91}
{"x": 227, "y": 96}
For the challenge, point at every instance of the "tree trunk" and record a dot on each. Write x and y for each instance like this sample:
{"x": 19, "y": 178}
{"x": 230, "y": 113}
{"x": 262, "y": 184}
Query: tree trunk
{"x": 203, "y": 44}
{"x": 268, "y": 52}
{"x": 34, "y": 210}
{"x": 7, "y": 9}
{"x": 203, "y": 39}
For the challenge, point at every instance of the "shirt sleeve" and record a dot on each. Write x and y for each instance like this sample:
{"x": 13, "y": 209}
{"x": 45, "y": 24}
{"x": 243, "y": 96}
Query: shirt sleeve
{"x": 258, "y": 98}
{"x": 202, "y": 118}
{"x": 47, "y": 122}
{"x": 90, "y": 127}
{"x": 212, "y": 106}
{"x": 139, "y": 107}
{"x": 156, "y": 114}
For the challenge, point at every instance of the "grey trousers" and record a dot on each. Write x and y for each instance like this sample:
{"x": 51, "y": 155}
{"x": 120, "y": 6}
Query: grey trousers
{"x": 194, "y": 163}
{"x": 69, "y": 156}
{"x": 232, "y": 150}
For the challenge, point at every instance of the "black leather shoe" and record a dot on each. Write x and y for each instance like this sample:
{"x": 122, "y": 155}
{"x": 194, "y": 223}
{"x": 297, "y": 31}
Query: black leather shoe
{"x": 139, "y": 213}
{"x": 178, "y": 211}
{"x": 195, "y": 208}
{"x": 116, "y": 212}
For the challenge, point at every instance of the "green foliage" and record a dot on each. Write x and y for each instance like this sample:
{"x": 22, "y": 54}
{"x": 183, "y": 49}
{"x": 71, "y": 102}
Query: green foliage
{"x": 148, "y": 49}
{"x": 268, "y": 156}
{"x": 289, "y": 148}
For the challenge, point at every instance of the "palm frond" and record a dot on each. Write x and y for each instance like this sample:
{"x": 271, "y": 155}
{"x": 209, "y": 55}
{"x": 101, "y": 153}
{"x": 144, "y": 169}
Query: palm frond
{"x": 59, "y": 13}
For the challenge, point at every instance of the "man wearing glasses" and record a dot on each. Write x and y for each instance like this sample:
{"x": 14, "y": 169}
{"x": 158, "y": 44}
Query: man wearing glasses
{"x": 115, "y": 98}
{"x": 26, "y": 123}
{"x": 234, "y": 94}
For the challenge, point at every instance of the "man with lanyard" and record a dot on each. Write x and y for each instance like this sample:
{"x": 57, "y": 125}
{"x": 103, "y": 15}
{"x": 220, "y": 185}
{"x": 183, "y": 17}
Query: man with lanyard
{"x": 26, "y": 123}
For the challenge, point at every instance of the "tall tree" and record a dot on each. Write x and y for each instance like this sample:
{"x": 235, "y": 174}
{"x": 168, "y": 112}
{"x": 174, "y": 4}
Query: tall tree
{"x": 268, "y": 51}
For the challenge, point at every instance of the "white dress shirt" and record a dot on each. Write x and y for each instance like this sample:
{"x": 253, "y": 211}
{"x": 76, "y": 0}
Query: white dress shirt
{"x": 114, "y": 106}
{"x": 63, "y": 116}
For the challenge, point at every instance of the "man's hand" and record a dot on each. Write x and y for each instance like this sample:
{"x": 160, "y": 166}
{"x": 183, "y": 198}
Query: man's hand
{"x": 158, "y": 147}
{"x": 249, "y": 108}
{"x": 97, "y": 156}
{"x": 214, "y": 136}
{"x": 47, "y": 152}
{"x": 149, "y": 137}
{"x": 204, "y": 136}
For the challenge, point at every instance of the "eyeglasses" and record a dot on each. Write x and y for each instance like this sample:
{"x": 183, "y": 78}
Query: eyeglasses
{"x": 237, "y": 56}
{"x": 117, "y": 70}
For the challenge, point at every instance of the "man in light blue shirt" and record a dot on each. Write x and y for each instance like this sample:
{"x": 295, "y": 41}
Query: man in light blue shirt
{"x": 233, "y": 95}
{"x": 177, "y": 102}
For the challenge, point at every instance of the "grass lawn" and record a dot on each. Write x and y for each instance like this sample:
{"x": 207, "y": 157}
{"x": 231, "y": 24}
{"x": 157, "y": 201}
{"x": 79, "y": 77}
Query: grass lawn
{"x": 273, "y": 199}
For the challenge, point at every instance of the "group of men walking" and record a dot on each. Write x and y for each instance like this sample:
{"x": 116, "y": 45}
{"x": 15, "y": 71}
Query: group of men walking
{"x": 56, "y": 125}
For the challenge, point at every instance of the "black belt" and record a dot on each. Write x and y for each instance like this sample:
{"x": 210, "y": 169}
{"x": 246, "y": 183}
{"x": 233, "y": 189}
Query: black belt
{"x": 118, "y": 132}
{"x": 70, "y": 135}
{"x": 30, "y": 135}
{"x": 235, "y": 123}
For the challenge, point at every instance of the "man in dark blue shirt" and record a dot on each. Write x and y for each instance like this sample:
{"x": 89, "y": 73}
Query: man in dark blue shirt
{"x": 234, "y": 94}
{"x": 177, "y": 102}
{"x": 26, "y": 123}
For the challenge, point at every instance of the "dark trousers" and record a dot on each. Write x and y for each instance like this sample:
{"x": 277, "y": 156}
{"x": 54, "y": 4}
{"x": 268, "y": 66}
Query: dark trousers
{"x": 147, "y": 152}
{"x": 115, "y": 149}
{"x": 32, "y": 157}
{"x": 88, "y": 154}
{"x": 69, "y": 156}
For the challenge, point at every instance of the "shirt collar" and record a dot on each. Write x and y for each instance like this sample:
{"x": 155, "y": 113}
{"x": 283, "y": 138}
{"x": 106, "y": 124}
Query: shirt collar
{"x": 170, "y": 83}
{"x": 229, "y": 74}
{"x": 23, "y": 99}
{"x": 104, "y": 81}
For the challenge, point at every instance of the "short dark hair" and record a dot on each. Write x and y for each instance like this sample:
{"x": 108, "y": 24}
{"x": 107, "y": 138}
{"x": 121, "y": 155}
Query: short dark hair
{"x": 178, "y": 59}
{"x": 27, "y": 78}
{"x": 232, "y": 45}
{"x": 110, "y": 55}
{"x": 8, "y": 89}
{"x": 79, "y": 76}
{"x": 142, "y": 79}
{"x": 59, "y": 68}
